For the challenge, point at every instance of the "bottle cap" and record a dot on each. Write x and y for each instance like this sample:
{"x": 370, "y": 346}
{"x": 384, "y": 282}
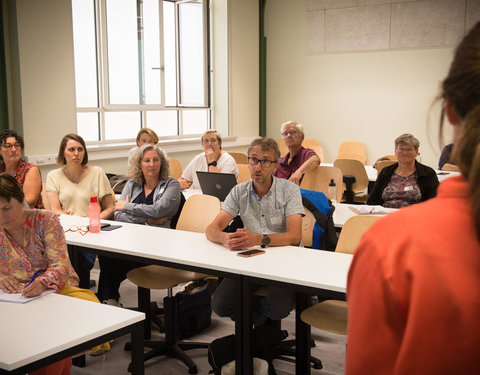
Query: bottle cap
{"x": 332, "y": 183}
{"x": 93, "y": 199}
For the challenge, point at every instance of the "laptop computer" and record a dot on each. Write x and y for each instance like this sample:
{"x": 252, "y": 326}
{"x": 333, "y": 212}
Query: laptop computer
{"x": 216, "y": 184}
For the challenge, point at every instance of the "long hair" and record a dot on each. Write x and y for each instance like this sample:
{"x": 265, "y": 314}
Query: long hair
{"x": 135, "y": 170}
{"x": 462, "y": 89}
{"x": 63, "y": 145}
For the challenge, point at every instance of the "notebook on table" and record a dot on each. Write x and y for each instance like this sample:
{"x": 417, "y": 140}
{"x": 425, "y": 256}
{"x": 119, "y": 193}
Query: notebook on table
{"x": 216, "y": 184}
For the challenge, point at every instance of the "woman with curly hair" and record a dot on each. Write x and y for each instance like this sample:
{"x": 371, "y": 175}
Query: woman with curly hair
{"x": 150, "y": 197}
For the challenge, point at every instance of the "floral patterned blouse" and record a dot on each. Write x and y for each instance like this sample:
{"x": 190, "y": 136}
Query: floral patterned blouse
{"x": 45, "y": 249}
{"x": 20, "y": 173}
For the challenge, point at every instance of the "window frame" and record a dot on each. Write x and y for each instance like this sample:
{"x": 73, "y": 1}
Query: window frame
{"x": 104, "y": 105}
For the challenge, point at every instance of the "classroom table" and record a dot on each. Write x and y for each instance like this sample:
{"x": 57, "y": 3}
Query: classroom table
{"x": 343, "y": 212}
{"x": 54, "y": 327}
{"x": 304, "y": 270}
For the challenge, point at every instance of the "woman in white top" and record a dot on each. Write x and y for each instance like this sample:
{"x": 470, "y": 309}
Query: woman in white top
{"x": 213, "y": 159}
{"x": 69, "y": 189}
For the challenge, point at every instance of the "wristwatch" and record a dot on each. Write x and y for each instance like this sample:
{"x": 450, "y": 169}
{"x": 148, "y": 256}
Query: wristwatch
{"x": 265, "y": 241}
{"x": 212, "y": 164}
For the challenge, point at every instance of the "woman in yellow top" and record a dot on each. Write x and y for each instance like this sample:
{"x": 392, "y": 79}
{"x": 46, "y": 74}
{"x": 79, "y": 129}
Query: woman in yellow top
{"x": 69, "y": 189}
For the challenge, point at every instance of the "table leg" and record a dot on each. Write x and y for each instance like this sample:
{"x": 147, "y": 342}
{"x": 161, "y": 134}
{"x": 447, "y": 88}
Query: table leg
{"x": 137, "y": 364}
{"x": 302, "y": 336}
{"x": 243, "y": 326}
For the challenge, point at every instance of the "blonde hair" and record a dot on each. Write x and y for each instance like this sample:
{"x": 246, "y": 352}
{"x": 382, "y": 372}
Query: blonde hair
{"x": 219, "y": 137}
{"x": 150, "y": 132}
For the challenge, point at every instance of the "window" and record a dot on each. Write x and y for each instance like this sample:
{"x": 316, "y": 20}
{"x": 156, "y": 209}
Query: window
{"x": 141, "y": 63}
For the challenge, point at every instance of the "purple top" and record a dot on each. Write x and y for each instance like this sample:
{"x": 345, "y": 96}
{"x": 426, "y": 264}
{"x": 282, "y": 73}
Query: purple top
{"x": 285, "y": 170}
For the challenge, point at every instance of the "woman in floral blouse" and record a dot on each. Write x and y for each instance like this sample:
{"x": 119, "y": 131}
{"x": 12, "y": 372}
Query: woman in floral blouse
{"x": 32, "y": 240}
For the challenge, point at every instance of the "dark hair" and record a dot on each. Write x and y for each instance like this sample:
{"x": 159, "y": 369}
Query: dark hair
{"x": 8, "y": 134}
{"x": 266, "y": 144}
{"x": 462, "y": 89}
{"x": 63, "y": 145}
{"x": 10, "y": 188}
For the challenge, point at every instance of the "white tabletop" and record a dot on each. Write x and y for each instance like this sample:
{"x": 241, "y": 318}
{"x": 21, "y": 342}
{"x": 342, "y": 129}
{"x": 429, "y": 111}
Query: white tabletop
{"x": 53, "y": 323}
{"x": 312, "y": 268}
{"x": 343, "y": 212}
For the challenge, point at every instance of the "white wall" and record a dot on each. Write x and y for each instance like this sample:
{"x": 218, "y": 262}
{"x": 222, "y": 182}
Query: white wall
{"x": 371, "y": 97}
{"x": 41, "y": 80}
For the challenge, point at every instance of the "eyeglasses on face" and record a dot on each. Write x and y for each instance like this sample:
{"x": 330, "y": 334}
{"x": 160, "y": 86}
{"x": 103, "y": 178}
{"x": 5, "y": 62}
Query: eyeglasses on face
{"x": 291, "y": 132}
{"x": 213, "y": 140}
{"x": 265, "y": 162}
{"x": 83, "y": 229}
{"x": 8, "y": 146}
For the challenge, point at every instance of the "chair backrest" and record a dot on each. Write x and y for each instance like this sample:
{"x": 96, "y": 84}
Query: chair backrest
{"x": 319, "y": 178}
{"x": 320, "y": 153}
{"x": 379, "y": 165}
{"x": 243, "y": 173}
{"x": 308, "y": 222}
{"x": 176, "y": 168}
{"x": 352, "y": 232}
{"x": 198, "y": 212}
{"x": 240, "y": 157}
{"x": 352, "y": 150}
{"x": 352, "y": 167}
{"x": 281, "y": 146}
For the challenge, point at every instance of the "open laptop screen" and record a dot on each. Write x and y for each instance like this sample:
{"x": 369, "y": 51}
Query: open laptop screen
{"x": 216, "y": 184}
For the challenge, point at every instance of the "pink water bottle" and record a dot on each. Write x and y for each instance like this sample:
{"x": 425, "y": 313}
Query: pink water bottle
{"x": 94, "y": 215}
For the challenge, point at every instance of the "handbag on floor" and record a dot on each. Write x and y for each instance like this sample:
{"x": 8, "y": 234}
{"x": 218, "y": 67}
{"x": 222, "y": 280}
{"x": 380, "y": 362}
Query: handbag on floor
{"x": 194, "y": 311}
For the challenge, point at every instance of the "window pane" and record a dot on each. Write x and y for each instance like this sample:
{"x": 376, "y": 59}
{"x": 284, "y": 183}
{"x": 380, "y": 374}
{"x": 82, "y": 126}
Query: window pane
{"x": 164, "y": 123}
{"x": 85, "y": 46}
{"x": 122, "y": 125}
{"x": 151, "y": 51}
{"x": 195, "y": 121}
{"x": 191, "y": 54}
{"x": 169, "y": 53}
{"x": 88, "y": 126}
{"x": 123, "y": 52}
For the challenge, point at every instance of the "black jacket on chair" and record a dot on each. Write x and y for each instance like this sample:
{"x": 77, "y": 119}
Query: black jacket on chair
{"x": 426, "y": 178}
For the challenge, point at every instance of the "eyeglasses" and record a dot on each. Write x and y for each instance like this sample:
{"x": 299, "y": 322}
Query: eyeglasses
{"x": 265, "y": 162}
{"x": 9, "y": 146}
{"x": 291, "y": 132}
{"x": 83, "y": 229}
{"x": 401, "y": 149}
{"x": 213, "y": 140}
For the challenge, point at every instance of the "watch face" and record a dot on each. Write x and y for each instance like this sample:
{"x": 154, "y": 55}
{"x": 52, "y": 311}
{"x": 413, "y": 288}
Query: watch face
{"x": 265, "y": 240}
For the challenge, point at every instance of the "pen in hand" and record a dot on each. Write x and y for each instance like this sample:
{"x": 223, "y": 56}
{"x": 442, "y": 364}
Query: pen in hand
{"x": 33, "y": 277}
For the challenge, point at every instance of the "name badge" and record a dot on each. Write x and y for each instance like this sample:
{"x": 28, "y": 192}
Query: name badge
{"x": 276, "y": 220}
{"x": 408, "y": 188}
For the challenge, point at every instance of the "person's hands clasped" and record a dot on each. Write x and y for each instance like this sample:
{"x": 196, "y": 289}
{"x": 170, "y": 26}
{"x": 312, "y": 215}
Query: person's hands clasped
{"x": 34, "y": 289}
{"x": 241, "y": 239}
{"x": 119, "y": 205}
{"x": 10, "y": 284}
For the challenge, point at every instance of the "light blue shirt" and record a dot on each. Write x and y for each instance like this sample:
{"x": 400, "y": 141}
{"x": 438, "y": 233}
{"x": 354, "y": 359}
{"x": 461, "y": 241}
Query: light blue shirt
{"x": 268, "y": 214}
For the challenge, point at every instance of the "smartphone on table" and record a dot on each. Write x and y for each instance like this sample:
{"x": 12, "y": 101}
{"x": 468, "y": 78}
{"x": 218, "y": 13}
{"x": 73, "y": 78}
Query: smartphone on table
{"x": 250, "y": 253}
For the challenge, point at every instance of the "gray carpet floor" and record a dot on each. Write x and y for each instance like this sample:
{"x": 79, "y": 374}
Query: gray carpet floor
{"x": 330, "y": 348}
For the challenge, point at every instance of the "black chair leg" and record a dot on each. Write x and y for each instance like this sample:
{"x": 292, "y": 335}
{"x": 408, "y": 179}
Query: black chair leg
{"x": 170, "y": 346}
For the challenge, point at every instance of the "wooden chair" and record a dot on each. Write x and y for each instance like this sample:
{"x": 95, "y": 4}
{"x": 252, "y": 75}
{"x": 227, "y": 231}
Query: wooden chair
{"x": 176, "y": 168}
{"x": 355, "y": 178}
{"x": 320, "y": 152}
{"x": 331, "y": 315}
{"x": 379, "y": 165}
{"x": 198, "y": 211}
{"x": 352, "y": 150}
{"x": 319, "y": 178}
{"x": 240, "y": 157}
{"x": 281, "y": 146}
{"x": 243, "y": 173}
{"x": 308, "y": 222}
